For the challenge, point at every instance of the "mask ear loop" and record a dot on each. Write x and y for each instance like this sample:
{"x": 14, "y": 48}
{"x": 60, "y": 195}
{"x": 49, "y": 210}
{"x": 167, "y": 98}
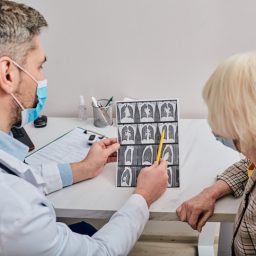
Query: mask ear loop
{"x": 25, "y": 71}
{"x": 17, "y": 101}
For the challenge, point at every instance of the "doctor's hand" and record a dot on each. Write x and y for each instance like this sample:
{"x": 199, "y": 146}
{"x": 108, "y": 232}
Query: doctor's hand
{"x": 197, "y": 210}
{"x": 101, "y": 153}
{"x": 152, "y": 182}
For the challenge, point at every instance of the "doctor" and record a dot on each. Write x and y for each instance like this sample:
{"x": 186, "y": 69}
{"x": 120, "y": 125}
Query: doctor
{"x": 27, "y": 219}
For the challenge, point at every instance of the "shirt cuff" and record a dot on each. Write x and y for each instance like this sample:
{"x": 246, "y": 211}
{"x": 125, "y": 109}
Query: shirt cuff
{"x": 141, "y": 203}
{"x": 66, "y": 174}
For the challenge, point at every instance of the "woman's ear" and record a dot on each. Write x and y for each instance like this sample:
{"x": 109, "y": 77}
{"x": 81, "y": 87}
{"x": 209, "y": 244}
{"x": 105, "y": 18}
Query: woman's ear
{"x": 9, "y": 75}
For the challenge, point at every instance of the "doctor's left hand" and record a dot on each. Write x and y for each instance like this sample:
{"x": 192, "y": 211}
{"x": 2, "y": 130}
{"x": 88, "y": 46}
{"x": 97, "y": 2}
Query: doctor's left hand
{"x": 101, "y": 153}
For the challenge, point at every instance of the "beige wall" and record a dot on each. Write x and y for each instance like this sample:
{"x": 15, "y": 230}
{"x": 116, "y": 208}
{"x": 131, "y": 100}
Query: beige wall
{"x": 140, "y": 48}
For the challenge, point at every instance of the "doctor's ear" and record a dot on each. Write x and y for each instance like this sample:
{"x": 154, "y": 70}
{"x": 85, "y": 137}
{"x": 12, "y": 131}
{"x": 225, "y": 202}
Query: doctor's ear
{"x": 9, "y": 75}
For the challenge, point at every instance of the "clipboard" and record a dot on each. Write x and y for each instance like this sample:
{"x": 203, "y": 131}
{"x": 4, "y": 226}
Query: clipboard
{"x": 70, "y": 147}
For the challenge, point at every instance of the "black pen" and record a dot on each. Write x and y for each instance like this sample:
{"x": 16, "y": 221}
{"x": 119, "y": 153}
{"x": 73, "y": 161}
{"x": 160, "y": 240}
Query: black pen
{"x": 111, "y": 98}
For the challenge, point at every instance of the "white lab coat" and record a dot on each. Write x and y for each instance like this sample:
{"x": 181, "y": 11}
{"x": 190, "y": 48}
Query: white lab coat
{"x": 28, "y": 224}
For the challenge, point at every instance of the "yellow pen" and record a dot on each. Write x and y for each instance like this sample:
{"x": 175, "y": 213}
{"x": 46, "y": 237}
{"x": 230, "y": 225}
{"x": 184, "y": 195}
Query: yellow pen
{"x": 159, "y": 152}
{"x": 250, "y": 169}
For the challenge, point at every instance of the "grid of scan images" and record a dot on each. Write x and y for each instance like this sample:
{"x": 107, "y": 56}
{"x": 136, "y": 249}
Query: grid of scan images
{"x": 140, "y": 124}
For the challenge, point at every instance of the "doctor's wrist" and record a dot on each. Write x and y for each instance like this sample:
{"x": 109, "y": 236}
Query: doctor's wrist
{"x": 80, "y": 172}
{"x": 149, "y": 200}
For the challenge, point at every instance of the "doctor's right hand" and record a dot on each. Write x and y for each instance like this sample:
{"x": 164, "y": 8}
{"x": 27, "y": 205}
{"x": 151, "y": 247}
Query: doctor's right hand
{"x": 152, "y": 182}
{"x": 101, "y": 153}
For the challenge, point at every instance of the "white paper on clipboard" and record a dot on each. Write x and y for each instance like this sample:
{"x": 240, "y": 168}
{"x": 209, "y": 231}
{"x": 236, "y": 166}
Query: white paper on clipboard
{"x": 71, "y": 147}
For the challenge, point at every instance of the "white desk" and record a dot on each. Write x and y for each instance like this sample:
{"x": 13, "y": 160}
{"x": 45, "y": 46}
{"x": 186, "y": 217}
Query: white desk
{"x": 201, "y": 159}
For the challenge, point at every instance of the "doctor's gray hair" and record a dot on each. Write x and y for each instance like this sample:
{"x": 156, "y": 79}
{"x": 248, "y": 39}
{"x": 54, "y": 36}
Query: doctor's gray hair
{"x": 18, "y": 26}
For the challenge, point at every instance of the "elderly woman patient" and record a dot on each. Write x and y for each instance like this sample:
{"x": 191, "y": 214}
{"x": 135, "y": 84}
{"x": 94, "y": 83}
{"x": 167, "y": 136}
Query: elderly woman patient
{"x": 230, "y": 94}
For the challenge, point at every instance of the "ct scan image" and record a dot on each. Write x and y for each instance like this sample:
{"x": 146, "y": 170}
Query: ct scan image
{"x": 139, "y": 126}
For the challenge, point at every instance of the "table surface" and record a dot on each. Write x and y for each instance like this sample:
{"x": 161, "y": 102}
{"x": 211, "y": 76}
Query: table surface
{"x": 201, "y": 159}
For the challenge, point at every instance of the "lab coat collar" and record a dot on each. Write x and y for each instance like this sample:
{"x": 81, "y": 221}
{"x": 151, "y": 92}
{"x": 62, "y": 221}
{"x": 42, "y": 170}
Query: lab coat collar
{"x": 13, "y": 146}
{"x": 22, "y": 170}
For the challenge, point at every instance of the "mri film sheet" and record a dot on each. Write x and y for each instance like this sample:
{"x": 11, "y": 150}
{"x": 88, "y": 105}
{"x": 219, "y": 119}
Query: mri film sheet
{"x": 140, "y": 125}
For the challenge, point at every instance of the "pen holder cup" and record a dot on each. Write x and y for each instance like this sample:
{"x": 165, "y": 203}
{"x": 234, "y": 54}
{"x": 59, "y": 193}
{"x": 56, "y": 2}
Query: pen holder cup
{"x": 102, "y": 115}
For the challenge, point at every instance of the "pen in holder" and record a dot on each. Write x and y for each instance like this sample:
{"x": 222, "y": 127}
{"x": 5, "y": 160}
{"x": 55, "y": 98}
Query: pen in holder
{"x": 102, "y": 113}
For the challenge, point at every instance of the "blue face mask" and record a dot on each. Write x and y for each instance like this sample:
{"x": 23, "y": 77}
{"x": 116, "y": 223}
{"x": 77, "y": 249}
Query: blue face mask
{"x": 30, "y": 114}
{"x": 227, "y": 142}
